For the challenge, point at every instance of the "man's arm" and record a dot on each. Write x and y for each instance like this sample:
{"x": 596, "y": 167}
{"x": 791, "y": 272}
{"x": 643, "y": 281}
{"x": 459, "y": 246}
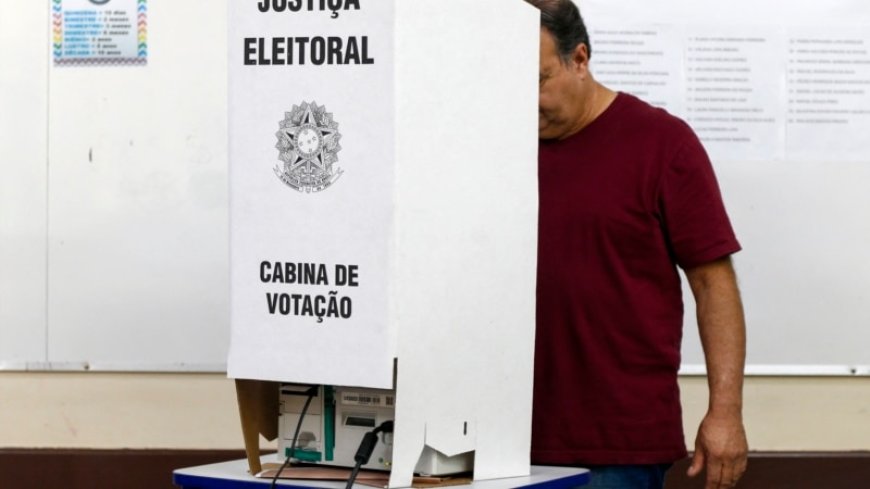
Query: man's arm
{"x": 720, "y": 446}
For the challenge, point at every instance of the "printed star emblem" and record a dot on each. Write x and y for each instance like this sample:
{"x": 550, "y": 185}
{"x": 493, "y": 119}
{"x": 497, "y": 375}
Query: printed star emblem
{"x": 308, "y": 143}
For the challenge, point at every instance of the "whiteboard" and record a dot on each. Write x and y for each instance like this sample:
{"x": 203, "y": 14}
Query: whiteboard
{"x": 115, "y": 222}
{"x": 23, "y": 170}
{"x": 113, "y": 204}
{"x": 803, "y": 221}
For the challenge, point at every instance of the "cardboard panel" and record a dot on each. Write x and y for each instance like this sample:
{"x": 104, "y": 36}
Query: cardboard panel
{"x": 464, "y": 293}
{"x": 436, "y": 204}
{"x": 312, "y": 199}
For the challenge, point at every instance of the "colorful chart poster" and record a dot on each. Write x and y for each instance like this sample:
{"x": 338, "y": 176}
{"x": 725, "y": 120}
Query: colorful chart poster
{"x": 99, "y": 32}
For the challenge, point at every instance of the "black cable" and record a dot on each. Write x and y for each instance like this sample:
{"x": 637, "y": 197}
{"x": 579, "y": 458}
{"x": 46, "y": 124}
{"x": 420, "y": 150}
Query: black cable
{"x": 366, "y": 447}
{"x": 353, "y": 474}
{"x": 311, "y": 392}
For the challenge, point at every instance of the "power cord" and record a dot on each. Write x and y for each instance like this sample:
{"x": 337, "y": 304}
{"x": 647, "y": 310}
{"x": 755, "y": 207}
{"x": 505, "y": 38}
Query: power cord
{"x": 366, "y": 447}
{"x": 311, "y": 392}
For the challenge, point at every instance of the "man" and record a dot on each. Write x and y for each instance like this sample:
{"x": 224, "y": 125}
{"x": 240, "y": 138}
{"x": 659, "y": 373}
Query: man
{"x": 627, "y": 195}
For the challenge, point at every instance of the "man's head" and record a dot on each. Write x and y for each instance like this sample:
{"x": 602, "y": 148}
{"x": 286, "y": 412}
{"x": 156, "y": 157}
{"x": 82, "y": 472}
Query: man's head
{"x": 562, "y": 19}
{"x": 566, "y": 85}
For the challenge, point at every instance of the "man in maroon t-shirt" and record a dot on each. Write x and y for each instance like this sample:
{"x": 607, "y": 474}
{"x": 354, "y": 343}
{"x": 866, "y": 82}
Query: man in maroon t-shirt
{"x": 627, "y": 195}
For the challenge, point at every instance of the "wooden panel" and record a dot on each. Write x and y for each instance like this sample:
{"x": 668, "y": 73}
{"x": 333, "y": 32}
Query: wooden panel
{"x": 791, "y": 471}
{"x": 101, "y": 469}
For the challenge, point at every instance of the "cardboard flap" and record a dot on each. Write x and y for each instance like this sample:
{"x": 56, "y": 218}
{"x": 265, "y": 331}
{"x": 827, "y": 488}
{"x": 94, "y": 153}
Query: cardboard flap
{"x": 258, "y": 410}
{"x": 452, "y": 436}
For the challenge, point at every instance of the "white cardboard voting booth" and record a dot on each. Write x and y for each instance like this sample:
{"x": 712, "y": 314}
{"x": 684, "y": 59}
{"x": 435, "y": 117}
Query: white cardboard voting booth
{"x": 383, "y": 211}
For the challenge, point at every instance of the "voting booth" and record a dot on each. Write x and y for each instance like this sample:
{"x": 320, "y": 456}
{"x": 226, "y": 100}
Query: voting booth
{"x": 383, "y": 214}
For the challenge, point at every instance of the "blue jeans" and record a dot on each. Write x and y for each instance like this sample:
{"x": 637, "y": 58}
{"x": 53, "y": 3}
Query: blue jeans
{"x": 627, "y": 476}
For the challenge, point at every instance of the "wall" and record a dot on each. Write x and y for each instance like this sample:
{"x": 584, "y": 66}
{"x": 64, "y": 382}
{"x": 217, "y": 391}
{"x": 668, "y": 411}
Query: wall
{"x": 198, "y": 411}
{"x": 108, "y": 411}
{"x": 794, "y": 413}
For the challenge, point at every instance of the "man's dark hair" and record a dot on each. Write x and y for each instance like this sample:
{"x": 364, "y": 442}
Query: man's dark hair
{"x": 563, "y": 20}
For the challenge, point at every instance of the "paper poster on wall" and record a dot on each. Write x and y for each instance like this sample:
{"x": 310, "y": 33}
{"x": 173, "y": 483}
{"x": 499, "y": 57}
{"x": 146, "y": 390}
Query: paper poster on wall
{"x": 311, "y": 152}
{"x": 828, "y": 94}
{"x": 99, "y": 32}
{"x": 643, "y": 60}
{"x": 734, "y": 91}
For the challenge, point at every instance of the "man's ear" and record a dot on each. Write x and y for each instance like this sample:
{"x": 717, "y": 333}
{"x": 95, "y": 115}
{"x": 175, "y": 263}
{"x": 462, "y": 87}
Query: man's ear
{"x": 580, "y": 59}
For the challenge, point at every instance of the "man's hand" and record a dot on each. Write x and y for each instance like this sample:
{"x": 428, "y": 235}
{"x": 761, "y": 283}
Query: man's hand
{"x": 721, "y": 449}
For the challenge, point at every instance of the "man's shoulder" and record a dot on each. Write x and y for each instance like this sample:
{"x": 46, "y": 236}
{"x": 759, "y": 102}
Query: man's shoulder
{"x": 644, "y": 112}
{"x": 650, "y": 126}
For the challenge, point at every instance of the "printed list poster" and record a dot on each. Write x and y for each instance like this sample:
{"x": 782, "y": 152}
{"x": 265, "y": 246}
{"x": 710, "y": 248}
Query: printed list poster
{"x": 734, "y": 99}
{"x": 99, "y": 32}
{"x": 828, "y": 94}
{"x": 643, "y": 60}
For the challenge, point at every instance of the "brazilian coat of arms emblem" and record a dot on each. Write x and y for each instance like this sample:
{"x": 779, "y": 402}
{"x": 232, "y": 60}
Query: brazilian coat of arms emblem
{"x": 308, "y": 146}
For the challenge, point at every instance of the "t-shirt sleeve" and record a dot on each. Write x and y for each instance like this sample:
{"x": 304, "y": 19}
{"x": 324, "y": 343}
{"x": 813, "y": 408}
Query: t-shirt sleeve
{"x": 695, "y": 220}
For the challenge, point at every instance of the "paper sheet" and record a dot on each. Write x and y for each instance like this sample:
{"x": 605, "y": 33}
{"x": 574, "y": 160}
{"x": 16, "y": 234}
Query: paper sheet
{"x": 643, "y": 60}
{"x": 734, "y": 98}
{"x": 828, "y": 94}
{"x": 99, "y": 33}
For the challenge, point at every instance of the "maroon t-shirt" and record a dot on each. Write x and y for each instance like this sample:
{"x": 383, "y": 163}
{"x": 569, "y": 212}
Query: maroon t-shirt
{"x": 622, "y": 204}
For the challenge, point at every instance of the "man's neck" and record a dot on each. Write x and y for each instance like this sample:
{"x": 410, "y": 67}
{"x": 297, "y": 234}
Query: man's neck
{"x": 596, "y": 103}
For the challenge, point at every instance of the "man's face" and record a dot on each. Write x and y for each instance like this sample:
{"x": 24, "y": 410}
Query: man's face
{"x": 561, "y": 89}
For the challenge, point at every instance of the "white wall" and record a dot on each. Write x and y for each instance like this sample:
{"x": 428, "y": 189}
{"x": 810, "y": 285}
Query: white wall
{"x": 105, "y": 411}
{"x": 198, "y": 411}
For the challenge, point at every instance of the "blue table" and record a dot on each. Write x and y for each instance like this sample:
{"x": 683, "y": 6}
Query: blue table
{"x": 234, "y": 475}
